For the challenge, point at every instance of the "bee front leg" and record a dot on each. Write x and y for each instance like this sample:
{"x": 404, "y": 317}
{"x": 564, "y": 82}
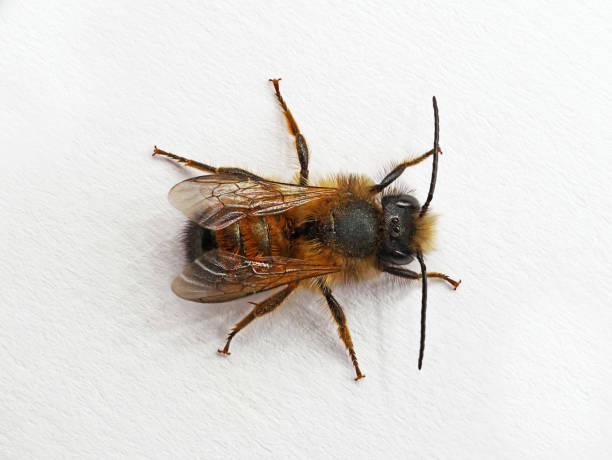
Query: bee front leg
{"x": 260, "y": 309}
{"x": 340, "y": 318}
{"x": 300, "y": 140}
{"x": 409, "y": 274}
{"x": 399, "y": 169}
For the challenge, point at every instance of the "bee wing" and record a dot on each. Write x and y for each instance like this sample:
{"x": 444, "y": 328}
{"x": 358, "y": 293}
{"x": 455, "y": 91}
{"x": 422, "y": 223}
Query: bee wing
{"x": 217, "y": 201}
{"x": 219, "y": 276}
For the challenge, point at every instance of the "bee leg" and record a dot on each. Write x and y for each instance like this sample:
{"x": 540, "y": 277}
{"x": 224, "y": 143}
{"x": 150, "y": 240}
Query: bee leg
{"x": 300, "y": 141}
{"x": 266, "y": 306}
{"x": 205, "y": 167}
{"x": 398, "y": 170}
{"x": 340, "y": 318}
{"x": 409, "y": 274}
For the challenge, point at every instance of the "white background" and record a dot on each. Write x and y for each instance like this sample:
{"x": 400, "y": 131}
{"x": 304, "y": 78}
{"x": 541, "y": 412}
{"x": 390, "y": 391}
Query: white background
{"x": 98, "y": 357}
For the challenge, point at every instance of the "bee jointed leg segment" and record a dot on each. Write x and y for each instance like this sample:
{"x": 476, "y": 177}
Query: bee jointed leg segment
{"x": 409, "y": 274}
{"x": 340, "y": 318}
{"x": 260, "y": 309}
{"x": 300, "y": 140}
{"x": 399, "y": 169}
{"x": 205, "y": 167}
{"x": 444, "y": 277}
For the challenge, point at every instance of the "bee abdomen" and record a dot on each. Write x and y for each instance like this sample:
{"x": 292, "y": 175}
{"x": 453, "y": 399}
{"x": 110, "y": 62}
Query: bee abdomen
{"x": 197, "y": 240}
{"x": 255, "y": 236}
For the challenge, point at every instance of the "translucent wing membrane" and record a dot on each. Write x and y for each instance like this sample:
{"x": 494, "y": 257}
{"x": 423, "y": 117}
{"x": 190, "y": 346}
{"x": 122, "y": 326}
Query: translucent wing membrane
{"x": 217, "y": 201}
{"x": 218, "y": 276}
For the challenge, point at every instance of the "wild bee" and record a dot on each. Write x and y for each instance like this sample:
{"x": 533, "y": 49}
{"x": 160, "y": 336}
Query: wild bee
{"x": 248, "y": 234}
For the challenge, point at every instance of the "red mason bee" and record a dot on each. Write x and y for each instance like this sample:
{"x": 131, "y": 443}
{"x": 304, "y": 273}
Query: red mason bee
{"x": 248, "y": 234}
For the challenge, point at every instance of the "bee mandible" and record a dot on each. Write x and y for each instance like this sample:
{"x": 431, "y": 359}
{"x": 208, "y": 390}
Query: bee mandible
{"x": 247, "y": 234}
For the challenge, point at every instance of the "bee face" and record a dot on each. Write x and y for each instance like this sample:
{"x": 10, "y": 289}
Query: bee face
{"x": 400, "y": 213}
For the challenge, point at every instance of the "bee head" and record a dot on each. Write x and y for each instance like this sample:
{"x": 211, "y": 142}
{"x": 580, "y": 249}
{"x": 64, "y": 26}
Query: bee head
{"x": 404, "y": 231}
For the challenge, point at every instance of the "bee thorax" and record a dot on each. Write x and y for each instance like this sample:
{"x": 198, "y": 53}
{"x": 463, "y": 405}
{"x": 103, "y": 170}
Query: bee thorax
{"x": 351, "y": 228}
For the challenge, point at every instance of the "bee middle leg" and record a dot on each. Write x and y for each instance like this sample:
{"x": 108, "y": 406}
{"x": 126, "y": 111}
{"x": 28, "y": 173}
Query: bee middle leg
{"x": 409, "y": 274}
{"x": 340, "y": 318}
{"x": 300, "y": 140}
{"x": 266, "y": 306}
{"x": 205, "y": 167}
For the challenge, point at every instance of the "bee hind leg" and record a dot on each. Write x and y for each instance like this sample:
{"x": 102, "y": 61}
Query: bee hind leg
{"x": 266, "y": 306}
{"x": 205, "y": 167}
{"x": 340, "y": 318}
{"x": 300, "y": 140}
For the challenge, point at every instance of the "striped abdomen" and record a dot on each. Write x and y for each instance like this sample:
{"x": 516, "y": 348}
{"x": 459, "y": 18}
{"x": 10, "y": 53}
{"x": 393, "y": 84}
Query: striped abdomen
{"x": 251, "y": 237}
{"x": 257, "y": 236}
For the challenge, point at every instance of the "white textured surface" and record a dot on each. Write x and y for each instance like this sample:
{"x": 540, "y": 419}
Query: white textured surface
{"x": 99, "y": 359}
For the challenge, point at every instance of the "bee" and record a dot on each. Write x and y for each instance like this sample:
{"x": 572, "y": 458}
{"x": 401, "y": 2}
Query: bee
{"x": 248, "y": 234}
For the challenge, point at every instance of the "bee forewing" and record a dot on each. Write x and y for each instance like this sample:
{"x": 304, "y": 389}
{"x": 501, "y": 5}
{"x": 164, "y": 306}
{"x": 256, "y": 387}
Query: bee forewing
{"x": 218, "y": 276}
{"x": 217, "y": 201}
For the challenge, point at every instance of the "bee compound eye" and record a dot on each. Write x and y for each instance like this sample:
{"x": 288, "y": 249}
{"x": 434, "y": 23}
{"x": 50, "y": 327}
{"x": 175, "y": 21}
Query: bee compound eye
{"x": 408, "y": 201}
{"x": 402, "y": 258}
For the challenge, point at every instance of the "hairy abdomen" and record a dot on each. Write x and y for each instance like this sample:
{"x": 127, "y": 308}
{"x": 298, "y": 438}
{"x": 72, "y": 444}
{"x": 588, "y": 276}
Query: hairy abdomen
{"x": 259, "y": 236}
{"x": 197, "y": 240}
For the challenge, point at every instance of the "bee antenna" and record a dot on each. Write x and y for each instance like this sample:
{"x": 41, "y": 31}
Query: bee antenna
{"x": 434, "y": 169}
{"x": 419, "y": 256}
